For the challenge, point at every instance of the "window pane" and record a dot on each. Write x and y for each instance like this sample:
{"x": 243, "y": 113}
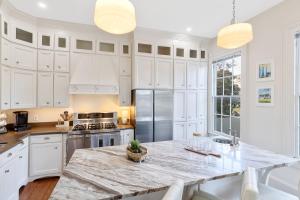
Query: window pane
{"x": 237, "y": 66}
{"x": 226, "y": 106}
{"x": 235, "y": 126}
{"x": 226, "y": 124}
{"x": 235, "y": 107}
{"x": 219, "y": 69}
{"x": 218, "y": 103}
{"x": 236, "y": 85}
{"x": 228, "y": 67}
{"x": 219, "y": 87}
{"x": 217, "y": 123}
{"x": 228, "y": 86}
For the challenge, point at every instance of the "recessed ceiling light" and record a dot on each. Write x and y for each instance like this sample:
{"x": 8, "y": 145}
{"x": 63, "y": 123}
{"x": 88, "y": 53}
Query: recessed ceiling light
{"x": 42, "y": 5}
{"x": 188, "y": 29}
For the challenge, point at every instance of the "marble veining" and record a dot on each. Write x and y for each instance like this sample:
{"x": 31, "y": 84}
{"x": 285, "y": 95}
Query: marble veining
{"x": 106, "y": 173}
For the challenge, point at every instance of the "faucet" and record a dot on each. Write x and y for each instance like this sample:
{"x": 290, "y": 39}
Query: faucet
{"x": 235, "y": 141}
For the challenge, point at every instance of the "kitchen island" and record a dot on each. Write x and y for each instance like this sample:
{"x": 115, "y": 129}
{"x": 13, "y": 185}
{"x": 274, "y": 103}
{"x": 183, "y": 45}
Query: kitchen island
{"x": 106, "y": 173}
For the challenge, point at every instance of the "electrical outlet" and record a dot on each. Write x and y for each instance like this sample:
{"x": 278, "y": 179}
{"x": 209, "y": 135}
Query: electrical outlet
{"x": 35, "y": 118}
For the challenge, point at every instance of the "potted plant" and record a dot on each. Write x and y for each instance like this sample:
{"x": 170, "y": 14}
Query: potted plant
{"x": 136, "y": 152}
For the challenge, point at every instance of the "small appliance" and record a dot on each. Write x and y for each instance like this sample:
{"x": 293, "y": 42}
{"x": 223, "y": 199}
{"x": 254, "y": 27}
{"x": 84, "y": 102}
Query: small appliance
{"x": 21, "y": 123}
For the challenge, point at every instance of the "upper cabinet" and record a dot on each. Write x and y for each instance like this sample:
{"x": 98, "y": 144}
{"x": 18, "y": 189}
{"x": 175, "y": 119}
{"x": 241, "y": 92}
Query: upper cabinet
{"x": 25, "y": 35}
{"x": 24, "y": 57}
{"x": 45, "y": 60}
{"x": 61, "y": 90}
{"x": 5, "y": 82}
{"x": 143, "y": 48}
{"x": 83, "y": 45}
{"x": 45, "y": 89}
{"x": 143, "y": 77}
{"x": 192, "y": 75}
{"x": 163, "y": 73}
{"x": 125, "y": 49}
{"x": 179, "y": 74}
{"x": 203, "y": 55}
{"x": 163, "y": 51}
{"x": 180, "y": 52}
{"x": 202, "y": 76}
{"x": 107, "y": 47}
{"x": 61, "y": 61}
{"x": 193, "y": 53}
{"x": 5, "y": 28}
{"x": 61, "y": 43}
{"x": 45, "y": 41}
{"x": 6, "y": 52}
{"x": 125, "y": 66}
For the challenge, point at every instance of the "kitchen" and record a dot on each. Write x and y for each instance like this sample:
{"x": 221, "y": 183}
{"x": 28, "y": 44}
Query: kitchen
{"x": 79, "y": 86}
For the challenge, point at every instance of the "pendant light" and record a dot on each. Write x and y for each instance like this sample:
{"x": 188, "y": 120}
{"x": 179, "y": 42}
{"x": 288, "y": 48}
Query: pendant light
{"x": 236, "y": 34}
{"x": 115, "y": 16}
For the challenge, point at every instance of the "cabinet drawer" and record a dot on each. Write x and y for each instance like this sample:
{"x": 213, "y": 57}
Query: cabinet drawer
{"x": 40, "y": 139}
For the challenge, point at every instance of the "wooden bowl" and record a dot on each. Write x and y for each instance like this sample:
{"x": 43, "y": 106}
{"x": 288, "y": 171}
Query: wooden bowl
{"x": 137, "y": 157}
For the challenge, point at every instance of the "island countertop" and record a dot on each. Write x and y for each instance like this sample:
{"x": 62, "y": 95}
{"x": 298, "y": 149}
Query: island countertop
{"x": 106, "y": 173}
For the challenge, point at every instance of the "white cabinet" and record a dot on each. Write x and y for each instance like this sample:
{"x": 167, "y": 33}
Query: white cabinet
{"x": 179, "y": 74}
{"x": 61, "y": 90}
{"x": 5, "y": 87}
{"x": 25, "y": 35}
{"x": 107, "y": 47}
{"x": 180, "y": 52}
{"x": 6, "y": 52}
{"x": 83, "y": 70}
{"x": 24, "y": 57}
{"x": 193, "y": 53}
{"x": 5, "y": 27}
{"x": 125, "y": 66}
{"x": 127, "y": 136}
{"x": 191, "y": 128}
{"x": 45, "y": 157}
{"x": 45, "y": 89}
{"x": 125, "y": 91}
{"x": 203, "y": 55}
{"x": 202, "y": 126}
{"x": 8, "y": 183}
{"x": 61, "y": 42}
{"x": 45, "y": 41}
{"x": 163, "y": 73}
{"x": 82, "y": 45}
{"x": 23, "y": 89}
{"x": 45, "y": 60}
{"x": 22, "y": 165}
{"x": 144, "y": 72}
{"x": 202, "y": 76}
{"x": 61, "y": 61}
{"x": 144, "y": 48}
{"x": 179, "y": 105}
{"x": 164, "y": 51}
{"x": 179, "y": 131}
{"x": 192, "y": 102}
{"x": 125, "y": 49}
{"x": 202, "y": 104}
{"x": 192, "y": 75}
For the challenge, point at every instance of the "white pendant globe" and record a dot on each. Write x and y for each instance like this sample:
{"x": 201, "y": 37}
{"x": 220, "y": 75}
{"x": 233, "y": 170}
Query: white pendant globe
{"x": 115, "y": 16}
{"x": 235, "y": 35}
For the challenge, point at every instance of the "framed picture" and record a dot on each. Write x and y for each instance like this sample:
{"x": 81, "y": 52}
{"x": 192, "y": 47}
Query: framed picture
{"x": 265, "y": 96}
{"x": 265, "y": 71}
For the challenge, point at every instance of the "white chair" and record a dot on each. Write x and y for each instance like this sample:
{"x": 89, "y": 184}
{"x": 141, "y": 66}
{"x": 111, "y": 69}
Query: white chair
{"x": 175, "y": 191}
{"x": 247, "y": 189}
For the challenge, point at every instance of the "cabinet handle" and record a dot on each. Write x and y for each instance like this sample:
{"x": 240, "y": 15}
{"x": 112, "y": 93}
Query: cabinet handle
{"x": 17, "y": 62}
{"x": 9, "y": 155}
{"x": 47, "y": 103}
{"x": 6, "y": 171}
{"x": 124, "y": 71}
{"x": 5, "y": 58}
{"x": 58, "y": 102}
{"x": 17, "y": 103}
{"x": 46, "y": 138}
{"x": 20, "y": 156}
{"x": 123, "y": 101}
{"x": 55, "y": 147}
{"x": 47, "y": 66}
{"x": 5, "y": 103}
{"x": 59, "y": 67}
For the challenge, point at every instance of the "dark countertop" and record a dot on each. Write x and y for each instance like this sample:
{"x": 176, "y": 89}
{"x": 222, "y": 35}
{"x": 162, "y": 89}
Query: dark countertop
{"x": 13, "y": 138}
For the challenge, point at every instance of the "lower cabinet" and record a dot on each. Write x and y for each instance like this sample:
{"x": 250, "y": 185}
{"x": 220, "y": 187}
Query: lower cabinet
{"x": 9, "y": 184}
{"x": 45, "y": 155}
{"x": 179, "y": 132}
{"x": 183, "y": 131}
{"x": 191, "y": 127}
{"x": 127, "y": 136}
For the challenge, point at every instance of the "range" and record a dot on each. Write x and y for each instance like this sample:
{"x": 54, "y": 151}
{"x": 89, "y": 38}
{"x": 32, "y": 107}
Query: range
{"x": 93, "y": 130}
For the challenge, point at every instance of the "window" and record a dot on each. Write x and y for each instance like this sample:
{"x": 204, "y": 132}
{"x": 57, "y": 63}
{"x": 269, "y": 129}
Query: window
{"x": 297, "y": 67}
{"x": 226, "y": 94}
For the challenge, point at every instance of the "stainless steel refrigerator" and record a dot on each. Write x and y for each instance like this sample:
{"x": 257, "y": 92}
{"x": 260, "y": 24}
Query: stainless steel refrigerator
{"x": 152, "y": 115}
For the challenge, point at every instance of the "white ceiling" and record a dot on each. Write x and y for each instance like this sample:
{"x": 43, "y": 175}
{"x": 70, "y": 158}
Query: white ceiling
{"x": 205, "y": 17}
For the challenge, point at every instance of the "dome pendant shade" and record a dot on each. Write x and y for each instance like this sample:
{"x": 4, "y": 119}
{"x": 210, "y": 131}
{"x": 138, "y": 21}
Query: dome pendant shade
{"x": 115, "y": 16}
{"x": 235, "y": 35}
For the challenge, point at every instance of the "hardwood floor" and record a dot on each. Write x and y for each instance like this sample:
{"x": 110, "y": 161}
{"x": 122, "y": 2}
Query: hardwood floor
{"x": 38, "y": 189}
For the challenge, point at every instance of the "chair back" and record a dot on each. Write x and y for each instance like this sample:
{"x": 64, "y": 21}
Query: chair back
{"x": 249, "y": 186}
{"x": 175, "y": 191}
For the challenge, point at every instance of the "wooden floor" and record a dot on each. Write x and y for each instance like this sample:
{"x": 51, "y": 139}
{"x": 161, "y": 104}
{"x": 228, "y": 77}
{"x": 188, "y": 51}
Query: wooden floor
{"x": 39, "y": 189}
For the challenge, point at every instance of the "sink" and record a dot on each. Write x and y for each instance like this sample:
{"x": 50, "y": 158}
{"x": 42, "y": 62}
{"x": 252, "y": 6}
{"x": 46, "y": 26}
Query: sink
{"x": 222, "y": 140}
{"x": 2, "y": 144}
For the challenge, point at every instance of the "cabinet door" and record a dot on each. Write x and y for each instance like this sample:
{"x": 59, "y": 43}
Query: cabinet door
{"x": 45, "y": 159}
{"x": 180, "y": 105}
{"x": 125, "y": 66}
{"x": 23, "y": 92}
{"x": 192, "y": 75}
{"x": 61, "y": 43}
{"x": 191, "y": 129}
{"x": 25, "y": 35}
{"x": 164, "y": 74}
{"x": 202, "y": 126}
{"x": 22, "y": 163}
{"x": 61, "y": 61}
{"x": 202, "y": 104}
{"x": 164, "y": 51}
{"x": 45, "y": 41}
{"x": 8, "y": 183}
{"x": 61, "y": 90}
{"x": 6, "y": 48}
{"x": 5, "y": 27}
{"x": 45, "y": 89}
{"x": 125, "y": 91}
{"x": 203, "y": 55}
{"x": 179, "y": 131}
{"x": 45, "y": 60}
{"x": 192, "y": 101}
{"x": 193, "y": 53}
{"x": 144, "y": 48}
{"x": 179, "y": 74}
{"x": 144, "y": 72}
{"x": 180, "y": 52}
{"x": 5, "y": 87}
{"x": 202, "y": 76}
{"x": 25, "y": 57}
{"x": 107, "y": 48}
{"x": 82, "y": 45}
{"x": 125, "y": 49}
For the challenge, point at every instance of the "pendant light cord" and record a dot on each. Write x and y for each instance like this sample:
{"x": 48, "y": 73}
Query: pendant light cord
{"x": 233, "y": 21}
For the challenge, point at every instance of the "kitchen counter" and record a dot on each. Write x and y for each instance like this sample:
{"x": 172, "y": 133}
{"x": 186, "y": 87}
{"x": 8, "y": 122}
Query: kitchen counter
{"x": 13, "y": 138}
{"x": 106, "y": 173}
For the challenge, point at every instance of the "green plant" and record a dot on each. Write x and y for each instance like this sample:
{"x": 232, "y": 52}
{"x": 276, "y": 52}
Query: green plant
{"x": 135, "y": 146}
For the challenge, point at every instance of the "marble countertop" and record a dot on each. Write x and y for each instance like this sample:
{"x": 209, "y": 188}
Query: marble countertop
{"x": 106, "y": 173}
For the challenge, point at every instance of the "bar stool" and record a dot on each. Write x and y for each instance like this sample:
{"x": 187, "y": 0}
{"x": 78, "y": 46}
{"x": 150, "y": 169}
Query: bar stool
{"x": 175, "y": 191}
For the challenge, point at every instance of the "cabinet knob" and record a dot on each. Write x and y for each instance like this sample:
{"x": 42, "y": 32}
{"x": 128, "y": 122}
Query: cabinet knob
{"x": 46, "y": 138}
{"x": 5, "y": 58}
{"x": 17, "y": 103}
{"x": 17, "y": 62}
{"x": 20, "y": 156}
{"x": 123, "y": 101}
{"x": 47, "y": 66}
{"x": 9, "y": 155}
{"x": 47, "y": 103}
{"x": 55, "y": 147}
{"x": 58, "y": 102}
{"x": 59, "y": 67}
{"x": 5, "y": 103}
{"x": 124, "y": 71}
{"x": 6, "y": 171}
